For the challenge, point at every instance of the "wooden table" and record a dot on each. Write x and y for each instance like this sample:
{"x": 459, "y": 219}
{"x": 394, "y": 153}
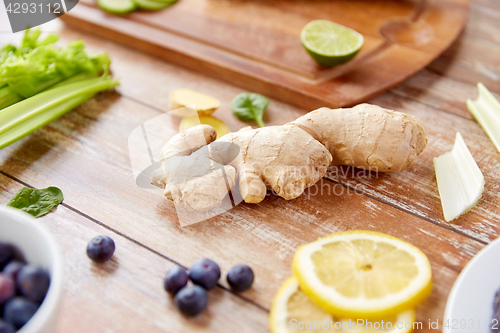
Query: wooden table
{"x": 85, "y": 154}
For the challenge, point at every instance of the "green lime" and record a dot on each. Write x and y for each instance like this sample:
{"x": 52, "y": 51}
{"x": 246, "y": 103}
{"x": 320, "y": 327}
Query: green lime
{"x": 153, "y": 5}
{"x": 170, "y": 2}
{"x": 117, "y": 6}
{"x": 329, "y": 43}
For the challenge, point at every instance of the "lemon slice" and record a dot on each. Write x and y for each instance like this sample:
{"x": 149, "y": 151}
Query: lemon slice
{"x": 292, "y": 311}
{"x": 330, "y": 43}
{"x": 363, "y": 274}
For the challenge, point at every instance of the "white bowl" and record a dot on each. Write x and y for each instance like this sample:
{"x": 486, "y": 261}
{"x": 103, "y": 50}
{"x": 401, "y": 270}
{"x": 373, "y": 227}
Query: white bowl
{"x": 38, "y": 247}
{"x": 469, "y": 308}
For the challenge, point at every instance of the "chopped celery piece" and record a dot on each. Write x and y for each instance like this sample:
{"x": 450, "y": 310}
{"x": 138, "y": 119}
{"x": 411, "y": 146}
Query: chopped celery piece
{"x": 486, "y": 110}
{"x": 460, "y": 182}
{"x": 30, "y": 114}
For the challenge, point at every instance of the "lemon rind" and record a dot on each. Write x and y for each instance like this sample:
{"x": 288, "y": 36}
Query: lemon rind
{"x": 336, "y": 304}
{"x": 290, "y": 286}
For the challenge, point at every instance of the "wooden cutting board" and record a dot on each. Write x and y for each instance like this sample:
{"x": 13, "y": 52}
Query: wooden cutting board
{"x": 255, "y": 44}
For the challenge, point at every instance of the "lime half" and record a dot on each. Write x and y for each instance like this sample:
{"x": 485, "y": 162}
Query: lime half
{"x": 117, "y": 6}
{"x": 329, "y": 43}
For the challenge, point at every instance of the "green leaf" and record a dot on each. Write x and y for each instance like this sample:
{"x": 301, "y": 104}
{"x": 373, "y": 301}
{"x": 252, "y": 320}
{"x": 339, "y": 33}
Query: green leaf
{"x": 37, "y": 65}
{"x": 36, "y": 202}
{"x": 250, "y": 106}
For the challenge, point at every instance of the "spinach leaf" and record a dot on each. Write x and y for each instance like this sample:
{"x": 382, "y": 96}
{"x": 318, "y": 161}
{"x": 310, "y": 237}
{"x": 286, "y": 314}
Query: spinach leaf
{"x": 36, "y": 202}
{"x": 250, "y": 106}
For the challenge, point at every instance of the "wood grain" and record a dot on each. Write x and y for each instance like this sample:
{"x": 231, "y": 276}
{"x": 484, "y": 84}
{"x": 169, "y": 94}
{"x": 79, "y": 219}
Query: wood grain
{"x": 85, "y": 153}
{"x": 471, "y": 58}
{"x": 415, "y": 190}
{"x": 425, "y": 95}
{"x": 126, "y": 293}
{"x": 256, "y": 44}
{"x": 90, "y": 144}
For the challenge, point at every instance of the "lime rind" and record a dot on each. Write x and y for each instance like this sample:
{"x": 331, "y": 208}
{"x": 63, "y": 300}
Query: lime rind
{"x": 329, "y": 43}
{"x": 117, "y": 6}
{"x": 169, "y": 2}
{"x": 152, "y": 5}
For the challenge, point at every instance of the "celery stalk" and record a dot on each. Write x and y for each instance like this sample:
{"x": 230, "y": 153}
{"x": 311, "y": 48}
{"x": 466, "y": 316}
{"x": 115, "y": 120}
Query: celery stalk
{"x": 76, "y": 78}
{"x": 8, "y": 97}
{"x": 30, "y": 114}
{"x": 460, "y": 181}
{"x": 41, "y": 120}
{"x": 486, "y": 110}
{"x": 37, "y": 65}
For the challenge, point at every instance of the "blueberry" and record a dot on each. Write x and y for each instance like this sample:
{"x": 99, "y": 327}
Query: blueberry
{"x": 33, "y": 282}
{"x": 191, "y": 300}
{"x": 13, "y": 268}
{"x": 18, "y": 311}
{"x": 240, "y": 277}
{"x": 6, "y": 254}
{"x": 6, "y": 327}
{"x": 7, "y": 288}
{"x": 101, "y": 248}
{"x": 205, "y": 272}
{"x": 175, "y": 280}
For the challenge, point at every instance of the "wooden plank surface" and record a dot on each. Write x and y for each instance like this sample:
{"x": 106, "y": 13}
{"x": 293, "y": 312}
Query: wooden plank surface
{"x": 85, "y": 153}
{"x": 126, "y": 293}
{"x": 256, "y": 44}
{"x": 438, "y": 100}
{"x": 265, "y": 236}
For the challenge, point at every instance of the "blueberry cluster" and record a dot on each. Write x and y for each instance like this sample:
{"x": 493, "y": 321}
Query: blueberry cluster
{"x": 204, "y": 274}
{"x": 23, "y": 287}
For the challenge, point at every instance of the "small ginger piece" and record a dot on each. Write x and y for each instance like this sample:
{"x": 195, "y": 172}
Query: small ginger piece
{"x": 186, "y": 99}
{"x": 220, "y": 127}
{"x": 287, "y": 158}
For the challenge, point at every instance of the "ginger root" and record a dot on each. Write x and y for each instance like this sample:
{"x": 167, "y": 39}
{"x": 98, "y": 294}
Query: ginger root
{"x": 367, "y": 136}
{"x": 198, "y": 170}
